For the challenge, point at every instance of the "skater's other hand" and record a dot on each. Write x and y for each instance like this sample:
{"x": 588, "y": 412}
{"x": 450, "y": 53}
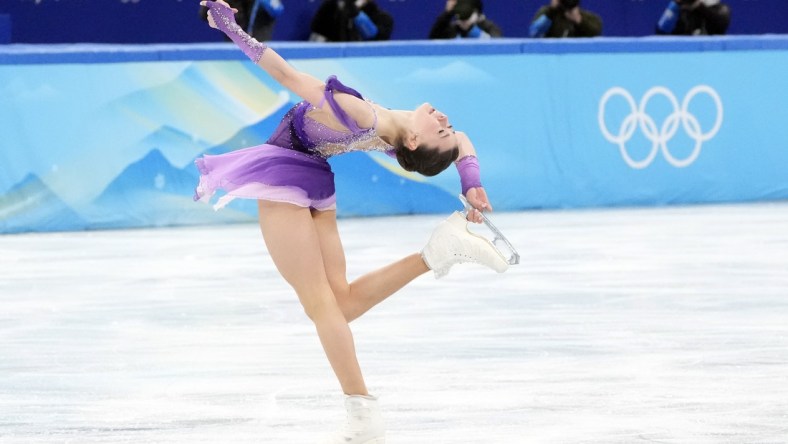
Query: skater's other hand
{"x": 478, "y": 199}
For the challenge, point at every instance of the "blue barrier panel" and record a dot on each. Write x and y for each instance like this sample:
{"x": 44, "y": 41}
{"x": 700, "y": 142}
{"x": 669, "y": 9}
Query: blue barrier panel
{"x": 105, "y": 137}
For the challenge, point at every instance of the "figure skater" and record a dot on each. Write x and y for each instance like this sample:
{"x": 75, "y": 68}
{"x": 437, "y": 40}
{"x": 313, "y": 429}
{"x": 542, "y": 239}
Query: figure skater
{"x": 294, "y": 186}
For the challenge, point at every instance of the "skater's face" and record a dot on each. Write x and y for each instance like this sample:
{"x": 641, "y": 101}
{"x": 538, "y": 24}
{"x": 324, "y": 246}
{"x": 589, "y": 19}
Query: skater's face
{"x": 432, "y": 128}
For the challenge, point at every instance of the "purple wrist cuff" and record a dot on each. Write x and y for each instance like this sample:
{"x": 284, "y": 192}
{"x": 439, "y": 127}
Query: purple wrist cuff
{"x": 225, "y": 22}
{"x": 468, "y": 167}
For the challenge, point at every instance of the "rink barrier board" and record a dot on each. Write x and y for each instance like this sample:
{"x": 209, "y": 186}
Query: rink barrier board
{"x": 561, "y": 132}
{"x": 108, "y": 53}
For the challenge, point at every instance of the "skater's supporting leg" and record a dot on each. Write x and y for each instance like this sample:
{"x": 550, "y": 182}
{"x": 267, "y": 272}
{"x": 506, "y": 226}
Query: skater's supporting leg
{"x": 293, "y": 242}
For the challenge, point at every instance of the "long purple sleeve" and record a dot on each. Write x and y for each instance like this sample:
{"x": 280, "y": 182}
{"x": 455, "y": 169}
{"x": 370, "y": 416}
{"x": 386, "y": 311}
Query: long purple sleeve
{"x": 225, "y": 22}
{"x": 468, "y": 167}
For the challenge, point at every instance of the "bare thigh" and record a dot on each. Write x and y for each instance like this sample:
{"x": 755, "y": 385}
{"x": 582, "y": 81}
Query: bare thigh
{"x": 293, "y": 242}
{"x": 333, "y": 253}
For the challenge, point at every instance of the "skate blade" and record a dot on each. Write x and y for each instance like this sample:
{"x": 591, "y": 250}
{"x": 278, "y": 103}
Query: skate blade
{"x": 504, "y": 247}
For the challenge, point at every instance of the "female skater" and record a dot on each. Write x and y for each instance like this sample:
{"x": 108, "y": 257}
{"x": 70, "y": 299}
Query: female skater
{"x": 294, "y": 186}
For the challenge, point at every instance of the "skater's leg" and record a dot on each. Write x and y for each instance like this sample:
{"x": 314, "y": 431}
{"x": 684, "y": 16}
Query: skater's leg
{"x": 370, "y": 289}
{"x": 293, "y": 242}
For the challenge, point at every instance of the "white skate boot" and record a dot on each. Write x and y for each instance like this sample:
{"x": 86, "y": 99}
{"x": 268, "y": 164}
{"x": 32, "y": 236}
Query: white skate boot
{"x": 452, "y": 243}
{"x": 364, "y": 424}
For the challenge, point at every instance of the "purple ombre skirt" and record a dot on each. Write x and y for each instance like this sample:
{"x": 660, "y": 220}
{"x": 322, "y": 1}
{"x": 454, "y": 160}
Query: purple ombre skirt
{"x": 267, "y": 172}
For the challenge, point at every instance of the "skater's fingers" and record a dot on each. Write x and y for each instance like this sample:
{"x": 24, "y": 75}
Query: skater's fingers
{"x": 482, "y": 205}
{"x": 475, "y": 215}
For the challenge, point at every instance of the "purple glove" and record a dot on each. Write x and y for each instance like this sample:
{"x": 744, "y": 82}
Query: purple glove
{"x": 468, "y": 167}
{"x": 225, "y": 22}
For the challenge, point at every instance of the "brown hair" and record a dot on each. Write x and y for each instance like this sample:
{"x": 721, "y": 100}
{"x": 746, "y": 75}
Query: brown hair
{"x": 425, "y": 160}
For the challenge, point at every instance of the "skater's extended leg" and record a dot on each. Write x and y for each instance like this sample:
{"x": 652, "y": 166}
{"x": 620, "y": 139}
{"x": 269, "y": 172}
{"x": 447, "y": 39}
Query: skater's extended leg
{"x": 293, "y": 242}
{"x": 358, "y": 297}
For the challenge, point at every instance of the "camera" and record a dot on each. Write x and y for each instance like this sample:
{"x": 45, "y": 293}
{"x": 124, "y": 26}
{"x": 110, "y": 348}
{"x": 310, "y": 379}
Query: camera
{"x": 568, "y": 4}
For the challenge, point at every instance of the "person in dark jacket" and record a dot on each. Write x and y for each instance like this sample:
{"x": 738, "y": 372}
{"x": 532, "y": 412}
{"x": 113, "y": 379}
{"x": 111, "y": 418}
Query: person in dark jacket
{"x": 464, "y": 19}
{"x": 350, "y": 21}
{"x": 695, "y": 17}
{"x": 565, "y": 18}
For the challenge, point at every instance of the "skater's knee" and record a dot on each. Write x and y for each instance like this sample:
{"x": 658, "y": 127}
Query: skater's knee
{"x": 318, "y": 303}
{"x": 316, "y": 310}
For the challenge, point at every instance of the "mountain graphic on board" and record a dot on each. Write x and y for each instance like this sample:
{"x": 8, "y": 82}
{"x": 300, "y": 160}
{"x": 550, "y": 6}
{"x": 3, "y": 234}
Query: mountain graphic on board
{"x": 151, "y": 173}
{"x": 30, "y": 205}
{"x": 152, "y": 192}
{"x": 252, "y": 135}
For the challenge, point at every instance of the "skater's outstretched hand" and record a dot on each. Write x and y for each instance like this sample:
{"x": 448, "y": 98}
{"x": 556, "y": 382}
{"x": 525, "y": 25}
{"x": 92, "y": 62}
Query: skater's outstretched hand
{"x": 211, "y": 21}
{"x": 477, "y": 197}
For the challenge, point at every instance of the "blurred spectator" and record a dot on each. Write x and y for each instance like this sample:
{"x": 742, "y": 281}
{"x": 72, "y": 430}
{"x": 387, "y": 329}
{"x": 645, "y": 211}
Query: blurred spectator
{"x": 694, "y": 17}
{"x": 565, "y": 18}
{"x": 256, "y": 17}
{"x": 350, "y": 21}
{"x": 465, "y": 19}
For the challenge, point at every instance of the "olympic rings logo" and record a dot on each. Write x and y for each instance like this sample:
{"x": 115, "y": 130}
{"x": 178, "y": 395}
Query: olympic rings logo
{"x": 659, "y": 136}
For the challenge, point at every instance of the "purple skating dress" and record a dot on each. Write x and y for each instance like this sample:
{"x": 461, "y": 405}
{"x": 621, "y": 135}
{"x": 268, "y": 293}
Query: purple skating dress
{"x": 291, "y": 166}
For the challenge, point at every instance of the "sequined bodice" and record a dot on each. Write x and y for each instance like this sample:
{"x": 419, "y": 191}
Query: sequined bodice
{"x": 299, "y": 132}
{"x": 330, "y": 142}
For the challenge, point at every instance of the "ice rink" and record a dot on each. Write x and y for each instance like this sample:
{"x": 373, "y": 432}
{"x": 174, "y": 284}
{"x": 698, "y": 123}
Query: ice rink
{"x": 664, "y": 325}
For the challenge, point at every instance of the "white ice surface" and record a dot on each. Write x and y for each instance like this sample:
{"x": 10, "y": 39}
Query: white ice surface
{"x": 620, "y": 326}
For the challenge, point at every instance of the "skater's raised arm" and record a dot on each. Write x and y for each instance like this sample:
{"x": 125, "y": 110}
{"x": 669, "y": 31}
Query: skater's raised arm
{"x": 222, "y": 17}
